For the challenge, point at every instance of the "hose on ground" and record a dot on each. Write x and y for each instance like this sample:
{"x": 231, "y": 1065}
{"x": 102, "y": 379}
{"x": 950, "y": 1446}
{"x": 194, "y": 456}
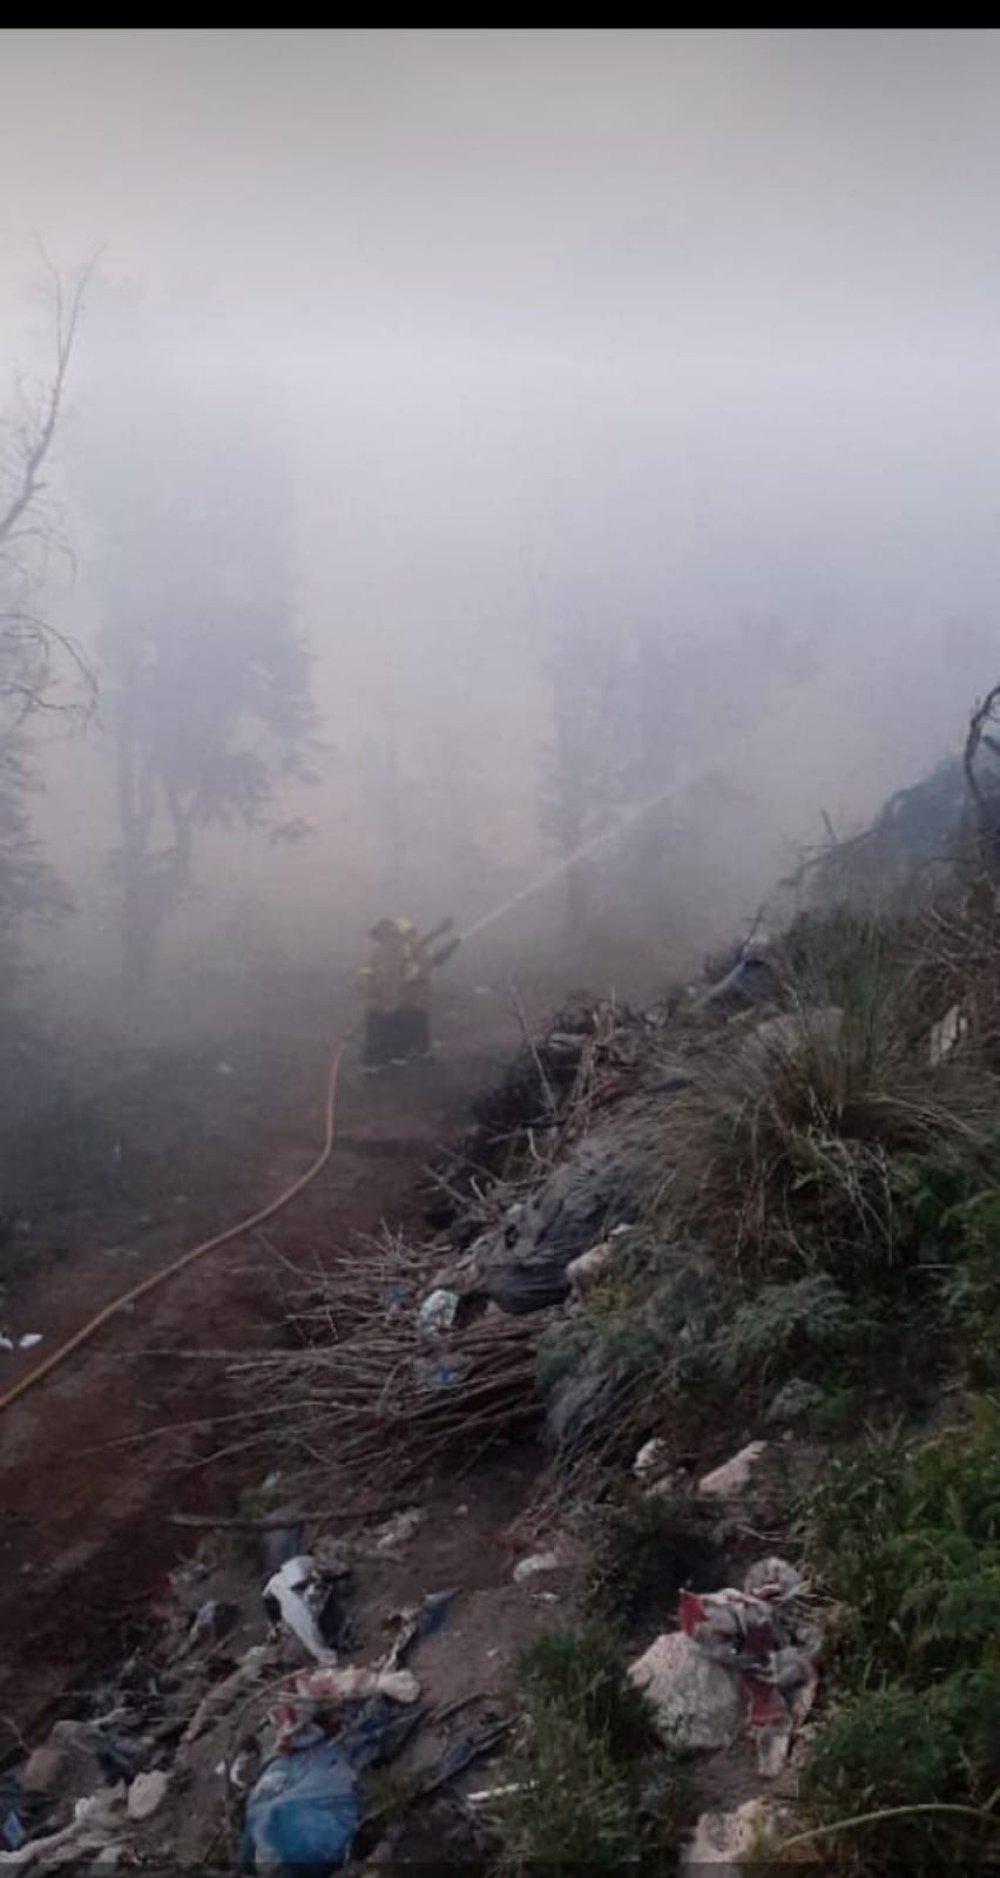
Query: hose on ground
{"x": 200, "y": 1251}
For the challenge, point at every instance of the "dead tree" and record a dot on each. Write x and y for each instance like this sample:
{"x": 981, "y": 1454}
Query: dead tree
{"x": 28, "y": 640}
{"x": 32, "y": 649}
{"x": 985, "y": 799}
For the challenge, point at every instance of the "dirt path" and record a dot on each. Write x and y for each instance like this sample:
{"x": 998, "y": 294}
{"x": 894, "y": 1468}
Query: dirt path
{"x": 87, "y": 1483}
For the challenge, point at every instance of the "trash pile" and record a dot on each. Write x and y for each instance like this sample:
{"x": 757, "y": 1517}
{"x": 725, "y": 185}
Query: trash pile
{"x": 253, "y": 1730}
{"x": 741, "y": 1657}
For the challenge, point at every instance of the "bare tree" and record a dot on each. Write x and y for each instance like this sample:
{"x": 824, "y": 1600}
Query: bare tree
{"x": 28, "y": 640}
{"x": 980, "y": 758}
{"x": 33, "y": 652}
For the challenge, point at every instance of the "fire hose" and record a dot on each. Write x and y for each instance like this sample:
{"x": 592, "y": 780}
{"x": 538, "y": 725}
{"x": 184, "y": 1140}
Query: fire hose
{"x": 241, "y": 1229}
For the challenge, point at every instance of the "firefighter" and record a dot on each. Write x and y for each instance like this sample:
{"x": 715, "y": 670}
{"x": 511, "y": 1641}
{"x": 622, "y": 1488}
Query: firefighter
{"x": 396, "y": 988}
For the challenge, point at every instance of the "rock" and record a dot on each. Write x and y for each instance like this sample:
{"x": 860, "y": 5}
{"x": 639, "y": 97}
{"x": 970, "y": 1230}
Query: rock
{"x": 535, "y": 1564}
{"x": 726, "y": 1840}
{"x": 147, "y": 1793}
{"x": 698, "y": 1704}
{"x": 733, "y": 1478}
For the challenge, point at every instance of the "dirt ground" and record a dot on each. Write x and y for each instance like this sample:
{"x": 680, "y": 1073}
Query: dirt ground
{"x": 160, "y": 1149}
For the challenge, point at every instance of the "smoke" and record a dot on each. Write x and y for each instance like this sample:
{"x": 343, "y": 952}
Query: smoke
{"x": 461, "y": 351}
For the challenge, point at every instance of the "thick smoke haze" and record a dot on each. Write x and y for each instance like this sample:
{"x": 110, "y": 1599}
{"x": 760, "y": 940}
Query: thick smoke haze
{"x": 470, "y": 343}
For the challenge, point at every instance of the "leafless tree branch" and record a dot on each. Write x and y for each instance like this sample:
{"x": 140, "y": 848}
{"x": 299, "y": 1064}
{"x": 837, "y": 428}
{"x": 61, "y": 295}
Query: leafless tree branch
{"x": 36, "y": 446}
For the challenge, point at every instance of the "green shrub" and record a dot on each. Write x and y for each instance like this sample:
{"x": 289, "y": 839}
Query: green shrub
{"x": 907, "y": 1536}
{"x": 644, "y": 1554}
{"x": 593, "y": 1788}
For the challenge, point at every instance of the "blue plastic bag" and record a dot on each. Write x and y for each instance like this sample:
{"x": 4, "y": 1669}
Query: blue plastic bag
{"x": 302, "y": 1814}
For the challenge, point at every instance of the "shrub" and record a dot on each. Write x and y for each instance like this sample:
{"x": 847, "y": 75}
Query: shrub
{"x": 908, "y": 1537}
{"x": 592, "y": 1788}
{"x": 644, "y": 1554}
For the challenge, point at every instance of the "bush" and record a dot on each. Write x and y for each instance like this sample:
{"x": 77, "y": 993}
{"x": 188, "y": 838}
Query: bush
{"x": 592, "y": 1786}
{"x": 823, "y": 1142}
{"x": 908, "y": 1538}
{"x": 644, "y": 1554}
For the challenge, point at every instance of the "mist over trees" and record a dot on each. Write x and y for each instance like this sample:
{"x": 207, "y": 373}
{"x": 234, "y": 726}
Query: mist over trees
{"x": 635, "y": 712}
{"x": 205, "y": 675}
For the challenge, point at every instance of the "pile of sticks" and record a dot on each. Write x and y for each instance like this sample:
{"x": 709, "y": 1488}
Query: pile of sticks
{"x": 373, "y": 1391}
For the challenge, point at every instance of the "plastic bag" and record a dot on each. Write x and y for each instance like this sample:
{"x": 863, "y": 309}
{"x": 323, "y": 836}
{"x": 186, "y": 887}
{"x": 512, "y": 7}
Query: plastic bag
{"x": 302, "y": 1814}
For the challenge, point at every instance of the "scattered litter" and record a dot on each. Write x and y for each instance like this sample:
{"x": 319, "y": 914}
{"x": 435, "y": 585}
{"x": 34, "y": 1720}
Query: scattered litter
{"x": 461, "y": 1753}
{"x": 68, "y": 1762}
{"x": 650, "y": 1458}
{"x": 302, "y": 1814}
{"x": 586, "y": 1271}
{"x": 223, "y": 1694}
{"x": 727, "y": 1841}
{"x": 244, "y": 1768}
{"x": 764, "y": 1634}
{"x": 400, "y": 1529}
{"x": 532, "y": 1566}
{"x": 378, "y": 1732}
{"x": 306, "y": 1605}
{"x": 433, "y": 1612}
{"x": 486, "y": 1794}
{"x": 443, "y": 1375}
{"x": 8, "y": 1341}
{"x": 147, "y": 1793}
{"x": 91, "y": 1829}
{"x": 278, "y": 1546}
{"x": 733, "y": 1477}
{"x": 14, "y": 1834}
{"x": 438, "y": 1311}
{"x": 946, "y": 1035}
{"x": 212, "y": 1624}
{"x": 353, "y": 1684}
{"x": 418, "y": 1623}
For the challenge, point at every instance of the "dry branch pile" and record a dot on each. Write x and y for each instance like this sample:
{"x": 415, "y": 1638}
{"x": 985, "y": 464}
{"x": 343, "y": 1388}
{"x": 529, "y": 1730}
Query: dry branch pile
{"x": 373, "y": 1390}
{"x": 375, "y": 1394}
